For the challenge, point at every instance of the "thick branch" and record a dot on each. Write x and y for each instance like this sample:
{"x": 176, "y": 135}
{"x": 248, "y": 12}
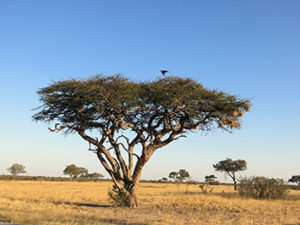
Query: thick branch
{"x": 123, "y": 165}
{"x": 103, "y": 150}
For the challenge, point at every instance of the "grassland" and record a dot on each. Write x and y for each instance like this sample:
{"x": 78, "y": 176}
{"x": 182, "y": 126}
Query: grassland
{"x": 44, "y": 202}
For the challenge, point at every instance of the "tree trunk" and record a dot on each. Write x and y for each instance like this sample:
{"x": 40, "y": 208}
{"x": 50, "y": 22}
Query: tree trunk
{"x": 131, "y": 199}
{"x": 234, "y": 182}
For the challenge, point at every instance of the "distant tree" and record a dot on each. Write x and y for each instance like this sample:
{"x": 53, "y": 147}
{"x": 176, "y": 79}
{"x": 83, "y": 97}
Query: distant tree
{"x": 84, "y": 173}
{"x": 183, "y": 175}
{"x": 127, "y": 115}
{"x": 211, "y": 179}
{"x": 230, "y": 167}
{"x": 73, "y": 171}
{"x": 173, "y": 175}
{"x": 95, "y": 176}
{"x": 164, "y": 179}
{"x": 179, "y": 176}
{"x": 16, "y": 169}
{"x": 295, "y": 179}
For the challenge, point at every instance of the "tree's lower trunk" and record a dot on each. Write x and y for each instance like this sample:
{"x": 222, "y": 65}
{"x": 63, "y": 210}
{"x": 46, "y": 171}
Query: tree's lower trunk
{"x": 234, "y": 182}
{"x": 131, "y": 199}
{"x": 130, "y": 191}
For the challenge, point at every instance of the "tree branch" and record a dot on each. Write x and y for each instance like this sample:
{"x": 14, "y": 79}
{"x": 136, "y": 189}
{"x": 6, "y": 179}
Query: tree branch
{"x": 57, "y": 128}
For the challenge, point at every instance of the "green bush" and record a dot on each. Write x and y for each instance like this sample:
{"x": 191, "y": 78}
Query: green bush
{"x": 262, "y": 188}
{"x": 117, "y": 197}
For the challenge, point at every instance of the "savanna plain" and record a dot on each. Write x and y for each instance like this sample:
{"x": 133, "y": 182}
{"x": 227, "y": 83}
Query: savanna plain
{"x": 46, "y": 202}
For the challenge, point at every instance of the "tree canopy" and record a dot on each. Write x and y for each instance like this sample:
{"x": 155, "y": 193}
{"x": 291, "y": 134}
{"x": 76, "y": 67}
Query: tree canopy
{"x": 155, "y": 112}
{"x": 295, "y": 179}
{"x": 180, "y": 176}
{"x": 73, "y": 171}
{"x": 211, "y": 179}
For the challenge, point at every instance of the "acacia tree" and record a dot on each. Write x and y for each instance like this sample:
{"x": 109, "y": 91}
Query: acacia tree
{"x": 84, "y": 173}
{"x": 95, "y": 176}
{"x": 16, "y": 169}
{"x": 179, "y": 176}
{"x": 73, "y": 171}
{"x": 295, "y": 179}
{"x": 211, "y": 179}
{"x": 230, "y": 167}
{"x": 130, "y": 115}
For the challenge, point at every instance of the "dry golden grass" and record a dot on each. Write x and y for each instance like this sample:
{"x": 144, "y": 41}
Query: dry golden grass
{"x": 41, "y": 202}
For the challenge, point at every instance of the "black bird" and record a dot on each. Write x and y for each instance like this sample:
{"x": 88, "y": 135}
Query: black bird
{"x": 163, "y": 72}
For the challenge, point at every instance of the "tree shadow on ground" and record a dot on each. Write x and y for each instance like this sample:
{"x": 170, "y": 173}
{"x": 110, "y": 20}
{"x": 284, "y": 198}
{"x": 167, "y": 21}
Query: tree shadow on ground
{"x": 120, "y": 222}
{"x": 228, "y": 195}
{"x": 4, "y": 222}
{"x": 84, "y": 204}
{"x": 152, "y": 186}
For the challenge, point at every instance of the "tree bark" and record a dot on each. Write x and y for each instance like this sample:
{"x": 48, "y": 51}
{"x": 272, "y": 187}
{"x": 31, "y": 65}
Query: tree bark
{"x": 131, "y": 199}
{"x": 234, "y": 182}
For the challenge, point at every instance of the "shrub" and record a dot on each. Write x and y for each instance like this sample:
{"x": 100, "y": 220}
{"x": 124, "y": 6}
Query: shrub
{"x": 262, "y": 188}
{"x": 117, "y": 197}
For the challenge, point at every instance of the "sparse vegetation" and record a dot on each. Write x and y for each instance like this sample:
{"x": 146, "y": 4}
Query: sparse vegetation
{"x": 262, "y": 188}
{"x": 77, "y": 203}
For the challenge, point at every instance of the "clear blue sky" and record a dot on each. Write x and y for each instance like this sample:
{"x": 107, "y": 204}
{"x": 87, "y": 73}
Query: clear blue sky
{"x": 249, "y": 48}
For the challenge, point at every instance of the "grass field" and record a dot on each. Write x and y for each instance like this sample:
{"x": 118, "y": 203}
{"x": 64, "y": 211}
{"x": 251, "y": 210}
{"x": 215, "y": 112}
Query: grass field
{"x": 44, "y": 202}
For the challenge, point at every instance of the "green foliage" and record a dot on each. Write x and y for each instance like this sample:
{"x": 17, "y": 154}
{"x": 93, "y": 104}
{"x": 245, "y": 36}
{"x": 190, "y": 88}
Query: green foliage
{"x": 211, "y": 179}
{"x": 117, "y": 197}
{"x": 173, "y": 175}
{"x": 73, "y": 103}
{"x": 229, "y": 165}
{"x": 16, "y": 169}
{"x": 73, "y": 171}
{"x": 84, "y": 173}
{"x": 295, "y": 179}
{"x": 164, "y": 179}
{"x": 95, "y": 176}
{"x": 262, "y": 188}
{"x": 179, "y": 176}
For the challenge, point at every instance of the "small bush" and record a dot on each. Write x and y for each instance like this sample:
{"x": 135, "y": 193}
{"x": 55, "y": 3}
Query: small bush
{"x": 262, "y": 188}
{"x": 117, "y": 197}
